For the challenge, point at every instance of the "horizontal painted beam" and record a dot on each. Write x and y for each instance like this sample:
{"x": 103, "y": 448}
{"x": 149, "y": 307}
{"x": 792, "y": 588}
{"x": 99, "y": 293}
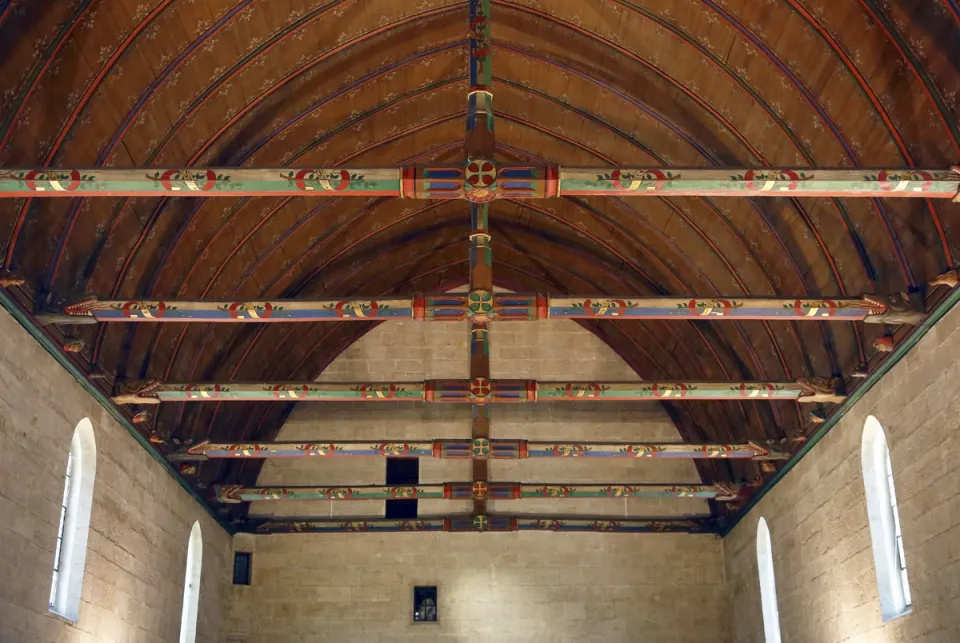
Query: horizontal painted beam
{"x": 482, "y": 306}
{"x": 478, "y": 490}
{"x": 942, "y": 184}
{"x": 479, "y": 449}
{"x": 198, "y": 182}
{"x": 484, "y": 523}
{"x": 480, "y": 180}
{"x": 876, "y": 309}
{"x": 476, "y": 391}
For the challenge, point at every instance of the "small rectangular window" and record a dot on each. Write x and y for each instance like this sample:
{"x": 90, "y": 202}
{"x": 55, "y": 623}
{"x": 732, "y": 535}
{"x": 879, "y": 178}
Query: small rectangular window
{"x": 401, "y": 510}
{"x": 241, "y": 568}
{"x": 403, "y": 471}
{"x": 425, "y": 603}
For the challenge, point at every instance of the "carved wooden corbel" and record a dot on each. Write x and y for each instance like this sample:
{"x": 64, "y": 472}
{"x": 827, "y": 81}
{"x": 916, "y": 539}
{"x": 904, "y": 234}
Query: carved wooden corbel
{"x": 898, "y": 308}
{"x": 949, "y": 278}
{"x": 817, "y": 416}
{"x": 137, "y": 393}
{"x": 9, "y": 280}
{"x": 820, "y": 390}
{"x": 228, "y": 493}
{"x": 884, "y": 344}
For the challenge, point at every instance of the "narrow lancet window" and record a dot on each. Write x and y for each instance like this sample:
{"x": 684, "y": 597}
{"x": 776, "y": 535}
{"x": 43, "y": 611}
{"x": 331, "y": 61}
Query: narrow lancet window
{"x": 70, "y": 554}
{"x": 888, "y": 556}
{"x": 768, "y": 584}
{"x": 191, "y": 586}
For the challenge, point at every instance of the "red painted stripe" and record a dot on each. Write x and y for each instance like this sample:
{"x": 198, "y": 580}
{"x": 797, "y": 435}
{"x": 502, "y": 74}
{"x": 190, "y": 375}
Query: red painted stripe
{"x": 81, "y": 104}
{"x": 883, "y": 114}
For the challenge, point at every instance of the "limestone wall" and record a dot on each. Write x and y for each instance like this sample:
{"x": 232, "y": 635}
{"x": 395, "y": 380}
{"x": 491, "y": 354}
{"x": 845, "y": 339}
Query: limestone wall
{"x": 140, "y": 521}
{"x": 521, "y": 587}
{"x": 823, "y": 560}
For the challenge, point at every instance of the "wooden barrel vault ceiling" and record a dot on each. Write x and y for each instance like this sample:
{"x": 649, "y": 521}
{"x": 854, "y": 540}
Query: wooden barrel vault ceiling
{"x": 379, "y": 83}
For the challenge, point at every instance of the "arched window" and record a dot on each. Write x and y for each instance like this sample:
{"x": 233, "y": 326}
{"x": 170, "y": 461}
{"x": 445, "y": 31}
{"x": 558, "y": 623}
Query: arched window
{"x": 884, "y": 520}
{"x": 71, "y": 551}
{"x": 768, "y": 584}
{"x": 191, "y": 586}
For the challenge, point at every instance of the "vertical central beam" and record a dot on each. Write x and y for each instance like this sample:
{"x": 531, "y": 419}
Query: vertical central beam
{"x": 480, "y": 141}
{"x": 480, "y": 307}
{"x": 480, "y": 146}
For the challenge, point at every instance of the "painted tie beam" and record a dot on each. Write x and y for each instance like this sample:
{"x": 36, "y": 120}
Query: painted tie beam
{"x": 478, "y": 448}
{"x": 484, "y": 523}
{"x": 478, "y": 490}
{"x": 483, "y": 306}
{"x": 479, "y": 179}
{"x": 478, "y": 391}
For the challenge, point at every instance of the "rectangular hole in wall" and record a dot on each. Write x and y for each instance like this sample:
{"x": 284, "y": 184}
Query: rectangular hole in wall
{"x": 425, "y": 604}
{"x": 401, "y": 509}
{"x": 402, "y": 472}
{"x": 241, "y": 568}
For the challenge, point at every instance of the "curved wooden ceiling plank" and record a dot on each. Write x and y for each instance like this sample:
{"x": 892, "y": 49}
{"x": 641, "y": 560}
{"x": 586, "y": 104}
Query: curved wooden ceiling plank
{"x": 626, "y": 52}
{"x": 43, "y": 61}
{"x": 189, "y": 111}
{"x": 790, "y": 71}
{"x": 868, "y": 90}
{"x": 683, "y": 258}
{"x": 39, "y": 26}
{"x": 54, "y": 149}
{"x": 883, "y": 24}
{"x": 154, "y": 215}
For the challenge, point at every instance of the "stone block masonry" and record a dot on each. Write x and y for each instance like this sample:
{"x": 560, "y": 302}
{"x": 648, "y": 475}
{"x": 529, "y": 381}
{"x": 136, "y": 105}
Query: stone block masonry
{"x": 521, "y": 588}
{"x": 139, "y": 527}
{"x": 516, "y": 588}
{"x": 823, "y": 562}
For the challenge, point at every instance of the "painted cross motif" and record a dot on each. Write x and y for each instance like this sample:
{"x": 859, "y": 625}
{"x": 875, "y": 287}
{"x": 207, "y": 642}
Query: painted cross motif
{"x": 481, "y": 447}
{"x": 480, "y": 306}
{"x": 479, "y": 490}
{"x": 480, "y": 390}
{"x": 480, "y": 181}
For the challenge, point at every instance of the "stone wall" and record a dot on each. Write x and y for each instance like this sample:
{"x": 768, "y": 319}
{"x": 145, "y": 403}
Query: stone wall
{"x": 823, "y": 561}
{"x": 140, "y": 521}
{"x": 521, "y": 587}
{"x": 493, "y": 587}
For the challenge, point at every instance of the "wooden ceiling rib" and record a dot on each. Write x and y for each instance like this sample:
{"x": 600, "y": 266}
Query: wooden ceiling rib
{"x": 379, "y": 83}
